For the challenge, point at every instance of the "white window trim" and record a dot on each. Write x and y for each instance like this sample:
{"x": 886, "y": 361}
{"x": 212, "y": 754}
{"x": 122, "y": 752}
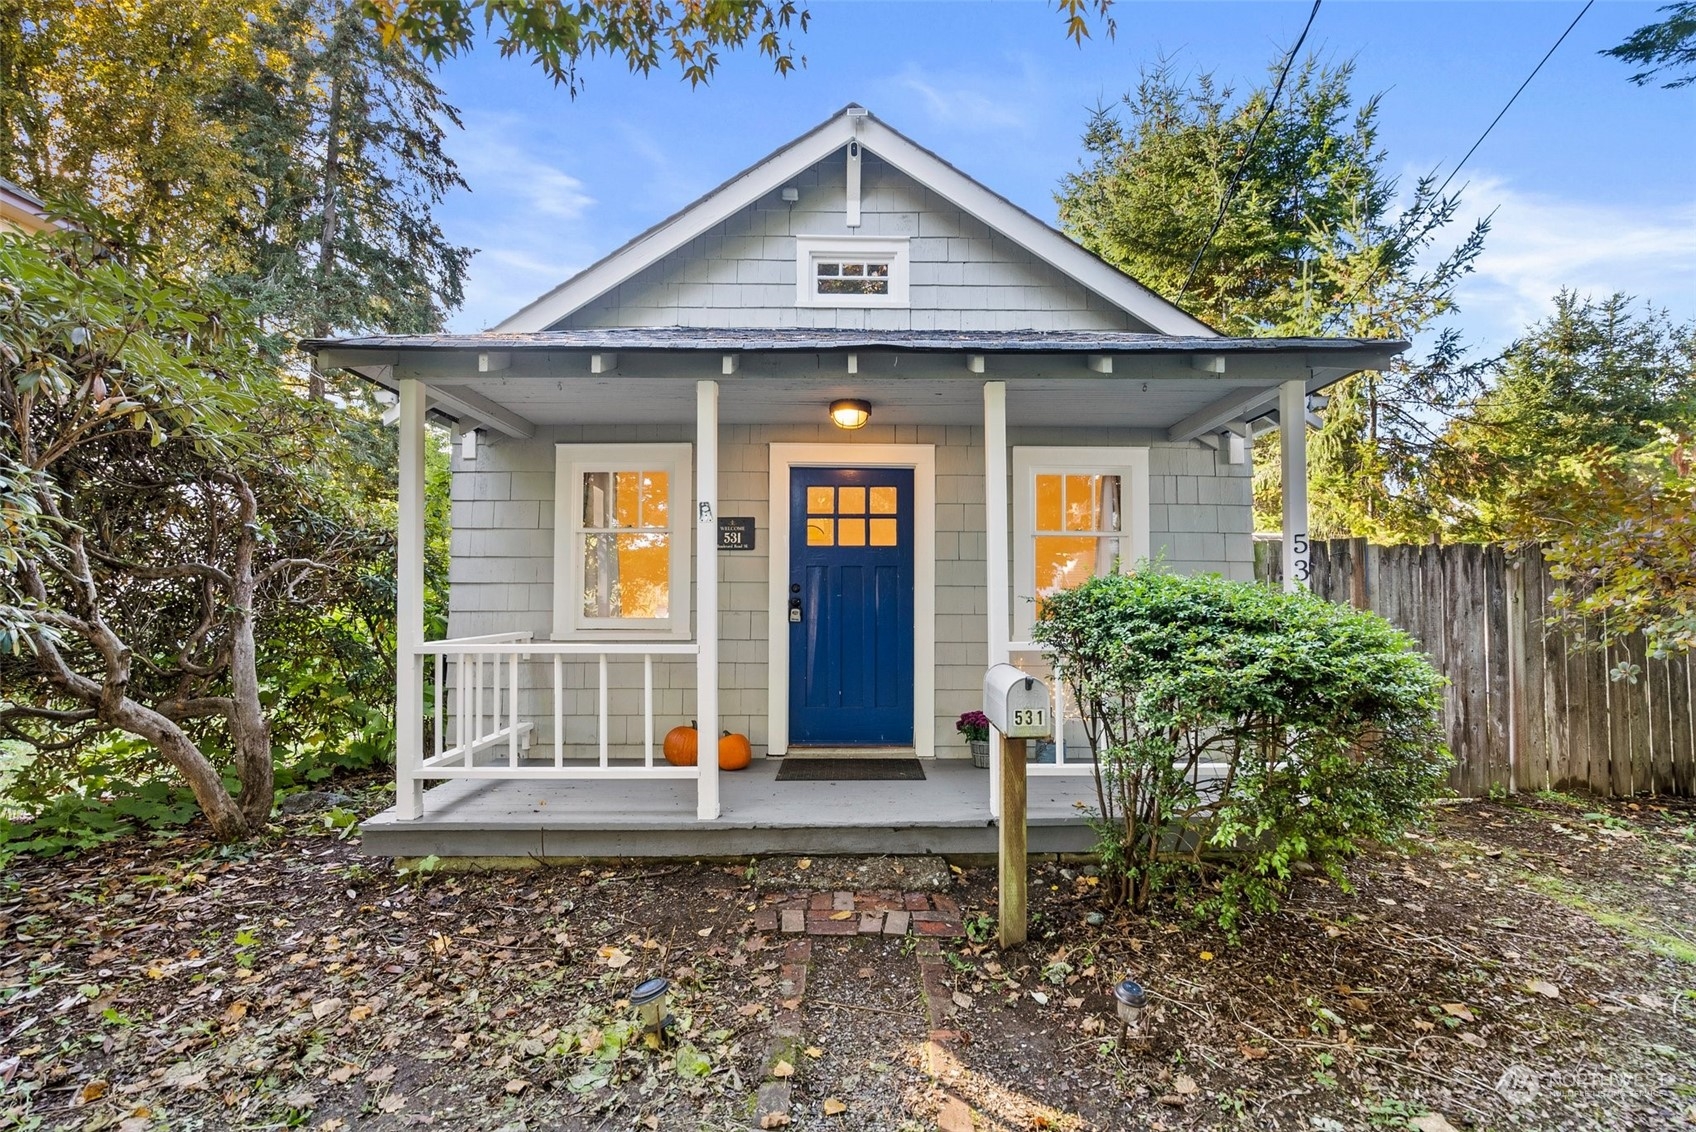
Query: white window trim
{"x": 1130, "y": 464}
{"x": 570, "y": 461}
{"x": 810, "y": 249}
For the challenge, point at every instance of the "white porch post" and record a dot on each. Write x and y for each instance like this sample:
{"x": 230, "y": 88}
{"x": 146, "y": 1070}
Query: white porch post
{"x": 409, "y": 612}
{"x": 706, "y": 599}
{"x": 995, "y": 547}
{"x": 1292, "y": 441}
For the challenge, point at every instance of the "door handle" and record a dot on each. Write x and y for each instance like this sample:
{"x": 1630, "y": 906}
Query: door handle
{"x": 795, "y": 611}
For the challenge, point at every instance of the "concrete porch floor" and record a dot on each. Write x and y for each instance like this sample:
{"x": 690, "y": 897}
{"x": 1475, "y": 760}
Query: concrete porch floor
{"x": 947, "y": 813}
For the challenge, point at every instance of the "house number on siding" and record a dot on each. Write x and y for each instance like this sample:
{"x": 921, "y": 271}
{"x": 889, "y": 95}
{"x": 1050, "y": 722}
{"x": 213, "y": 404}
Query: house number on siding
{"x": 735, "y": 532}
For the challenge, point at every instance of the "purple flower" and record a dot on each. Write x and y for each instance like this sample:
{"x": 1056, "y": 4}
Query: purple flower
{"x": 974, "y": 725}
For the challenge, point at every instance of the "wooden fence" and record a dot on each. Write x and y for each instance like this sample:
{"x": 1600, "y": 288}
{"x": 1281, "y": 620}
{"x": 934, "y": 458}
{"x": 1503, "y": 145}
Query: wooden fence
{"x": 1528, "y": 708}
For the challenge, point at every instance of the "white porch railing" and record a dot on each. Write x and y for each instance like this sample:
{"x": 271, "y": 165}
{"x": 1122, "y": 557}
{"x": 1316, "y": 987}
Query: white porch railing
{"x": 484, "y": 677}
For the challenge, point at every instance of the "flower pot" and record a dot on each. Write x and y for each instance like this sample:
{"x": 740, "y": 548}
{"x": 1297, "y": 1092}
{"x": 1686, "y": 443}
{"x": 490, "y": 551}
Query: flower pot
{"x": 980, "y": 752}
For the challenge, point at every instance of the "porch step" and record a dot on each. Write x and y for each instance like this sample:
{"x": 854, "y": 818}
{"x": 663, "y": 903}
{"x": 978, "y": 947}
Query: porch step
{"x": 799, "y": 752}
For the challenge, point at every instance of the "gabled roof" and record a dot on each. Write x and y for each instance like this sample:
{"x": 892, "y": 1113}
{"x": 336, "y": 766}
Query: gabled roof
{"x": 773, "y": 172}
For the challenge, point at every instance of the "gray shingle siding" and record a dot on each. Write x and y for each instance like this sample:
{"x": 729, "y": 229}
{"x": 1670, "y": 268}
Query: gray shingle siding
{"x": 502, "y": 560}
{"x": 962, "y": 275}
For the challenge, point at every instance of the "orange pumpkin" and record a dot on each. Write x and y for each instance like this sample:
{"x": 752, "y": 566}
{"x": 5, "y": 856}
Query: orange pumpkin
{"x": 679, "y": 748}
{"x": 734, "y": 752}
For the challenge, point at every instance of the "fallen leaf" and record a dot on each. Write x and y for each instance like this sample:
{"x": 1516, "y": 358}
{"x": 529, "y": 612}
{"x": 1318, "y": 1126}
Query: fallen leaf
{"x": 1041, "y": 999}
{"x": 342, "y": 1075}
{"x": 865, "y": 972}
{"x": 1173, "y": 1100}
{"x": 962, "y": 1000}
{"x": 790, "y": 1003}
{"x": 1459, "y": 1010}
{"x": 814, "y": 1051}
{"x": 1431, "y": 1122}
{"x": 394, "y": 1102}
{"x": 1185, "y": 1085}
{"x": 380, "y": 1076}
{"x": 704, "y": 932}
{"x": 1544, "y": 988}
{"x": 517, "y": 1085}
{"x": 840, "y": 915}
{"x": 359, "y": 1013}
{"x": 803, "y": 863}
{"x": 325, "y": 1006}
{"x": 1207, "y": 956}
{"x": 750, "y": 1009}
{"x": 1253, "y": 1053}
{"x": 235, "y": 1011}
{"x": 782, "y": 1069}
{"x": 834, "y": 1107}
{"x": 1423, "y": 1026}
{"x": 93, "y": 1091}
{"x": 1073, "y": 1003}
{"x": 776, "y": 1119}
{"x": 1473, "y": 1040}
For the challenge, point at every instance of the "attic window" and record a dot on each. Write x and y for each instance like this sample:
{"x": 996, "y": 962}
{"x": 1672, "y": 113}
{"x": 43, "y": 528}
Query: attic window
{"x": 850, "y": 271}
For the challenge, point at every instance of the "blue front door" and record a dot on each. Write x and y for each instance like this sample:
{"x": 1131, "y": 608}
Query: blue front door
{"x": 851, "y": 606}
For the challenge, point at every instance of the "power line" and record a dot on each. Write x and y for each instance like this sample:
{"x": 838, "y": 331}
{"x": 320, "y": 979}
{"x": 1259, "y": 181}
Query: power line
{"x": 1242, "y": 166}
{"x": 1439, "y": 193}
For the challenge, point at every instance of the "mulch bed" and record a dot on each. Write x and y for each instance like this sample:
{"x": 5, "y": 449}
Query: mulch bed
{"x": 1526, "y": 965}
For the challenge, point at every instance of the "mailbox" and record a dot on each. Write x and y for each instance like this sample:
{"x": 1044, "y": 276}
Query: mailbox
{"x": 1017, "y": 704}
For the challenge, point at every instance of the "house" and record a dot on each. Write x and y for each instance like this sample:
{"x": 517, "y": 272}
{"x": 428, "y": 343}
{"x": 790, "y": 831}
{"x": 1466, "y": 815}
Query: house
{"x": 797, "y": 462}
{"x": 22, "y": 211}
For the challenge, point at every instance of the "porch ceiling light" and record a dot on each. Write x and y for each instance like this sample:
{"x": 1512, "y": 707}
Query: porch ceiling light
{"x": 849, "y": 413}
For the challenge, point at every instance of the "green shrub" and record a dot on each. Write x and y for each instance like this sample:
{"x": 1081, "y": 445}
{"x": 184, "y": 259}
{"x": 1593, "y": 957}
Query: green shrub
{"x": 1240, "y": 730}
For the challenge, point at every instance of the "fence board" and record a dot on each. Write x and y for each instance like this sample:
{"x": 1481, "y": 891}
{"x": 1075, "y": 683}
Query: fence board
{"x": 1529, "y": 705}
{"x": 1535, "y": 709}
{"x": 1683, "y": 726}
{"x": 1494, "y": 628}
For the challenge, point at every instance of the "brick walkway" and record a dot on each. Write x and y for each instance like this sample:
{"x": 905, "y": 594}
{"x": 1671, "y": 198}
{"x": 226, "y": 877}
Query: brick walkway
{"x": 860, "y": 913}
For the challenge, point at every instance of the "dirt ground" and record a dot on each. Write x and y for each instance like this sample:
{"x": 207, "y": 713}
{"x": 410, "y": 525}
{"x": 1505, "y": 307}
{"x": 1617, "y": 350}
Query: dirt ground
{"x": 1524, "y": 965}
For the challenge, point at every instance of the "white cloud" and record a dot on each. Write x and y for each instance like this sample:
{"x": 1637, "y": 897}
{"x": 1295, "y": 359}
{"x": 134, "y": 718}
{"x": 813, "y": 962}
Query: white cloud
{"x": 525, "y": 215}
{"x": 965, "y": 102}
{"x": 1540, "y": 242}
{"x": 497, "y": 168}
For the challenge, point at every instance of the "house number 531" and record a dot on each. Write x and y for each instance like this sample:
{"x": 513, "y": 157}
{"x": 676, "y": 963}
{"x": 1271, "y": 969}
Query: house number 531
{"x": 1029, "y": 717}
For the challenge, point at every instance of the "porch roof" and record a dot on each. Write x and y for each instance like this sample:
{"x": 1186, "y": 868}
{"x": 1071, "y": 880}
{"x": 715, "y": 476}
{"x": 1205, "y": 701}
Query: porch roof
{"x": 1186, "y": 387}
{"x": 813, "y": 340}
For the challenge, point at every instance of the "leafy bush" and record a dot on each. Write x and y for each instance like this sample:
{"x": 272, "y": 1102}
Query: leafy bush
{"x": 1240, "y": 731}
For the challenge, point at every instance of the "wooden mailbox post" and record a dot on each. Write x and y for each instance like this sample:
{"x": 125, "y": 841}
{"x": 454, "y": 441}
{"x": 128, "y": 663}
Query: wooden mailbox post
{"x": 1017, "y": 707}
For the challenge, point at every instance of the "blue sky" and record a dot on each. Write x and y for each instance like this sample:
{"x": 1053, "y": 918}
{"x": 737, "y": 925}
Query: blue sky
{"x": 1592, "y": 179}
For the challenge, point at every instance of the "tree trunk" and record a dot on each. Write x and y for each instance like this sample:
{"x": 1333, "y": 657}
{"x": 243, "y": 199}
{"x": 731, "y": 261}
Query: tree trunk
{"x": 250, "y": 730}
{"x": 228, "y": 821}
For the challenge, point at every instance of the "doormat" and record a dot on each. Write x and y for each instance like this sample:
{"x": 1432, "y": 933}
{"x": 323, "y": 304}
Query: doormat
{"x": 850, "y": 770}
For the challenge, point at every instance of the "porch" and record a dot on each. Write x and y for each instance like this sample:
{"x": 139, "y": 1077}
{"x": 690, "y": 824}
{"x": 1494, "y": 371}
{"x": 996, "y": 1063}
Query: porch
{"x": 948, "y": 813}
{"x": 547, "y": 731}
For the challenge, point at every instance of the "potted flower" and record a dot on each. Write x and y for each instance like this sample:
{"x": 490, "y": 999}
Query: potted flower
{"x": 974, "y": 725}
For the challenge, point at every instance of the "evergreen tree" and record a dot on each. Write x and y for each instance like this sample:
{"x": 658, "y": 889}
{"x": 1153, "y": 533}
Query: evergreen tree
{"x": 1311, "y": 243}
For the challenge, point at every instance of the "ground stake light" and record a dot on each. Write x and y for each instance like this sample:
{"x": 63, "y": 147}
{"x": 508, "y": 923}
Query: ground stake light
{"x": 1129, "y": 999}
{"x": 649, "y": 999}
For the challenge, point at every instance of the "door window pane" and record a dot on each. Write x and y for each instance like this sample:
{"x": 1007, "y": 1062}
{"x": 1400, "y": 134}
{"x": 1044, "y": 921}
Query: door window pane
{"x": 883, "y": 532}
{"x": 851, "y": 501}
{"x": 850, "y": 532}
{"x": 821, "y": 532}
{"x": 821, "y": 501}
{"x": 884, "y": 500}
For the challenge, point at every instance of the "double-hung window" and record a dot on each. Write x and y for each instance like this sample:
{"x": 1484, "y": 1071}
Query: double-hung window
{"x": 621, "y": 540}
{"x": 1078, "y": 513}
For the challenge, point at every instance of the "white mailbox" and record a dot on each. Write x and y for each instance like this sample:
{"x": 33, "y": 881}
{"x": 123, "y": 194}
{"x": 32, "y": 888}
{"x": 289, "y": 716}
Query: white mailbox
{"x": 1017, "y": 704}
